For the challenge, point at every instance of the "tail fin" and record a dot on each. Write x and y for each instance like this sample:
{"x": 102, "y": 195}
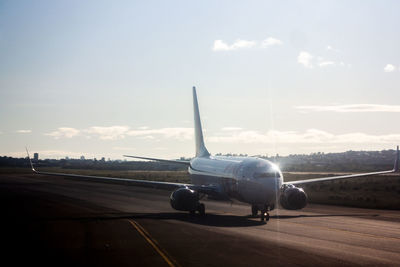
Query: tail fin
{"x": 396, "y": 162}
{"x": 201, "y": 150}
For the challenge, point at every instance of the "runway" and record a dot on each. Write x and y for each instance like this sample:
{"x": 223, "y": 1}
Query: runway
{"x": 58, "y": 221}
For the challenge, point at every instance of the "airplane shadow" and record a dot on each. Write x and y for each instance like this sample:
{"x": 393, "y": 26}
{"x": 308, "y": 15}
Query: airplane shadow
{"x": 321, "y": 215}
{"x": 215, "y": 220}
{"x": 208, "y": 219}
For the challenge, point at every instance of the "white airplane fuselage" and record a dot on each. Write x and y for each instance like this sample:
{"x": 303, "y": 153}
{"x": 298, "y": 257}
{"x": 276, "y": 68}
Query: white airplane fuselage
{"x": 251, "y": 180}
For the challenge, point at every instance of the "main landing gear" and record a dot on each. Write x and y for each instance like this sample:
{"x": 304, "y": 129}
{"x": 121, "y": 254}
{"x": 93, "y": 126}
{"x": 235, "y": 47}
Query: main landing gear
{"x": 201, "y": 208}
{"x": 264, "y": 212}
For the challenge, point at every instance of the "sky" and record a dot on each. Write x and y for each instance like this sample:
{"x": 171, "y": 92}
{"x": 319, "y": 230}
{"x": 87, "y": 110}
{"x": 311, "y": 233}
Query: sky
{"x": 108, "y": 78}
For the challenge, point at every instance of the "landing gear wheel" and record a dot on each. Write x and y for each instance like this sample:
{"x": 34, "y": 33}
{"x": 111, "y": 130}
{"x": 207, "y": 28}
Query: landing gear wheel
{"x": 202, "y": 209}
{"x": 264, "y": 213}
{"x": 264, "y": 216}
{"x": 254, "y": 210}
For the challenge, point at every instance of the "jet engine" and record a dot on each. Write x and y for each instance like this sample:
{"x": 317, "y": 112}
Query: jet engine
{"x": 184, "y": 199}
{"x": 292, "y": 198}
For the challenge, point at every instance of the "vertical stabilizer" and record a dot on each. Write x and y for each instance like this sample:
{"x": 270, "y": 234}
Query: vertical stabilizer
{"x": 201, "y": 150}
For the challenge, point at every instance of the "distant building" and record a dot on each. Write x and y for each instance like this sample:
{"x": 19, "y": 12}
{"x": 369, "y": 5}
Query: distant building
{"x": 36, "y": 156}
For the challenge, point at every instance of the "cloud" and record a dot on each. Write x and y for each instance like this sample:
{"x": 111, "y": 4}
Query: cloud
{"x": 108, "y": 133}
{"x": 65, "y": 132}
{"x": 24, "y": 131}
{"x": 176, "y": 133}
{"x": 326, "y": 63}
{"x": 351, "y": 108}
{"x": 220, "y": 45}
{"x": 341, "y": 63}
{"x": 309, "y": 61}
{"x": 330, "y": 48}
{"x": 118, "y": 132}
{"x": 389, "y": 68}
{"x": 310, "y": 136}
{"x": 270, "y": 41}
{"x": 305, "y": 59}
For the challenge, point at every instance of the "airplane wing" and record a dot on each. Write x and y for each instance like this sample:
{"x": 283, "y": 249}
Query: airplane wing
{"x": 204, "y": 189}
{"x": 313, "y": 180}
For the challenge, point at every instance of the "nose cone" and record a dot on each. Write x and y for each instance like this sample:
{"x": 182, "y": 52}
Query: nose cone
{"x": 271, "y": 189}
{"x": 260, "y": 191}
{"x": 260, "y": 180}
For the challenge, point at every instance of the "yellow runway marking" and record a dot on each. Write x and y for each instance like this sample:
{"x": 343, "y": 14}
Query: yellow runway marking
{"x": 168, "y": 259}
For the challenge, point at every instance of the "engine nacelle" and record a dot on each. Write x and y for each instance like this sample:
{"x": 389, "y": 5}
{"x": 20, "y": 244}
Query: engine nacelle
{"x": 292, "y": 198}
{"x": 184, "y": 199}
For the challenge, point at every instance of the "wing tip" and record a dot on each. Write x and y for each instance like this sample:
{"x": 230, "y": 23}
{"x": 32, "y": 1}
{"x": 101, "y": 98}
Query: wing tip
{"x": 30, "y": 160}
{"x": 396, "y": 160}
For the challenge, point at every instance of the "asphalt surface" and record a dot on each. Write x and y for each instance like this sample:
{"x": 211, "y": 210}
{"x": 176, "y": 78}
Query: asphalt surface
{"x": 61, "y": 222}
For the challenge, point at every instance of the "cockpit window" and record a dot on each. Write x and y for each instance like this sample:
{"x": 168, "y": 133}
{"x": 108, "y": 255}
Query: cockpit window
{"x": 260, "y": 169}
{"x": 264, "y": 170}
{"x": 266, "y": 175}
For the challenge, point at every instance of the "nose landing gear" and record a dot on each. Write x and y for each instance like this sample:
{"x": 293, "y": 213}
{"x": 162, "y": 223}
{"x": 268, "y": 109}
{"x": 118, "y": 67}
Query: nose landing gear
{"x": 264, "y": 216}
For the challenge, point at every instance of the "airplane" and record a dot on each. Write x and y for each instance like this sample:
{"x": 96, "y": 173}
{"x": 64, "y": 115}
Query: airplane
{"x": 251, "y": 180}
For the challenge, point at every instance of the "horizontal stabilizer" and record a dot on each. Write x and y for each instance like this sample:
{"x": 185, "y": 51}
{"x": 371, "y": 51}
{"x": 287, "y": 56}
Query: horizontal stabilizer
{"x": 184, "y": 162}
